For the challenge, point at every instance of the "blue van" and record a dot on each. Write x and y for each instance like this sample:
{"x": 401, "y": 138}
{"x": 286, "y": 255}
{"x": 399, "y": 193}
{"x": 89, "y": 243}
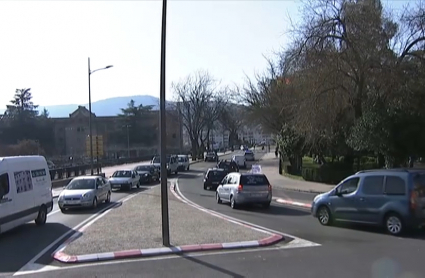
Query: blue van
{"x": 392, "y": 198}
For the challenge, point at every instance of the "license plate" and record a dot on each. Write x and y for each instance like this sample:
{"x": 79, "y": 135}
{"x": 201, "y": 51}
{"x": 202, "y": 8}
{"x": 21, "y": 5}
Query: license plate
{"x": 72, "y": 202}
{"x": 116, "y": 186}
{"x": 255, "y": 195}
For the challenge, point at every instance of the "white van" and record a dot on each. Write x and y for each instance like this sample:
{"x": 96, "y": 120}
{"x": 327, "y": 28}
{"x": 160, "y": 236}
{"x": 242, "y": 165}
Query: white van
{"x": 240, "y": 160}
{"x": 183, "y": 162}
{"x": 172, "y": 163}
{"x": 25, "y": 191}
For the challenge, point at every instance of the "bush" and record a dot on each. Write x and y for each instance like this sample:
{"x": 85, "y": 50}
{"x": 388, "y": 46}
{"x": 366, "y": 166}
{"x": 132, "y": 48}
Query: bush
{"x": 331, "y": 173}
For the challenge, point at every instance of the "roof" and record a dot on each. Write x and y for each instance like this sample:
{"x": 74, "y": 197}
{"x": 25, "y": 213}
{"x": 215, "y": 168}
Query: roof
{"x": 402, "y": 170}
{"x": 216, "y": 169}
{"x": 85, "y": 177}
{"x": 125, "y": 169}
{"x": 23, "y": 157}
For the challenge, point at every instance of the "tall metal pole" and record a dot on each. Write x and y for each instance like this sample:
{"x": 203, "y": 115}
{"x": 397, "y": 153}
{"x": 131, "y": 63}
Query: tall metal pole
{"x": 90, "y": 127}
{"x": 163, "y": 137}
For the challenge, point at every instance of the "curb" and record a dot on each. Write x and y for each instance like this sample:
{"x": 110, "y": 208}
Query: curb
{"x": 302, "y": 190}
{"x": 292, "y": 203}
{"x": 64, "y": 258}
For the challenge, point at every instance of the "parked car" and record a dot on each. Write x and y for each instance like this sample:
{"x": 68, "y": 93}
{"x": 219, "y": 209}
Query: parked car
{"x": 147, "y": 173}
{"x": 392, "y": 198}
{"x": 244, "y": 188}
{"x": 85, "y": 191}
{"x": 249, "y": 155}
{"x": 212, "y": 178}
{"x": 184, "y": 164}
{"x": 124, "y": 179}
{"x": 211, "y": 156}
{"x": 25, "y": 191}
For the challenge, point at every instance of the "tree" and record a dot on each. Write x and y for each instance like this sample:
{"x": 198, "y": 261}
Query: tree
{"x": 133, "y": 120}
{"x": 22, "y": 108}
{"x": 199, "y": 103}
{"x": 232, "y": 119}
{"x": 44, "y": 114}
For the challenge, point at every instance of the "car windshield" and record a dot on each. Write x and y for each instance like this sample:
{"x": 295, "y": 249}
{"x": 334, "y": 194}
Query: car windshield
{"x": 181, "y": 159}
{"x": 143, "y": 168}
{"x": 81, "y": 184}
{"x": 253, "y": 180}
{"x": 122, "y": 174}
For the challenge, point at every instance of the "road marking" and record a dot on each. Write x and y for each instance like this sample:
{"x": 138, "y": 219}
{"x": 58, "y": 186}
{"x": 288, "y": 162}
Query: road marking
{"x": 303, "y": 242}
{"x": 31, "y": 267}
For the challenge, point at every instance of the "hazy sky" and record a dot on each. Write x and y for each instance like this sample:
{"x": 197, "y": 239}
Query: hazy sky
{"x": 45, "y": 44}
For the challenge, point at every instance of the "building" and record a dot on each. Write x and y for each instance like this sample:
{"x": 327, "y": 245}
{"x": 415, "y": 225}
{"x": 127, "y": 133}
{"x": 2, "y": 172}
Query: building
{"x": 71, "y": 134}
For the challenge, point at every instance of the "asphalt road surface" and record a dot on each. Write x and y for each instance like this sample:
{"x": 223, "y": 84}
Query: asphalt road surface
{"x": 324, "y": 251}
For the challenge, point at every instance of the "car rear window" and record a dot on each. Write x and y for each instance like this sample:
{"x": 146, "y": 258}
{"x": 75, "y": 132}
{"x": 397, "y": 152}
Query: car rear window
{"x": 254, "y": 180}
{"x": 215, "y": 174}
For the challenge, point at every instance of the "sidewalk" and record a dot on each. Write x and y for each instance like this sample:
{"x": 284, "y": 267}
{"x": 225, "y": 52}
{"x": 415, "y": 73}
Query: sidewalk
{"x": 111, "y": 169}
{"x": 270, "y": 167}
{"x": 135, "y": 226}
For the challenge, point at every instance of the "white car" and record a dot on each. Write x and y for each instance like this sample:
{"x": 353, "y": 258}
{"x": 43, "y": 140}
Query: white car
{"x": 85, "y": 191}
{"x": 183, "y": 162}
{"x": 124, "y": 179}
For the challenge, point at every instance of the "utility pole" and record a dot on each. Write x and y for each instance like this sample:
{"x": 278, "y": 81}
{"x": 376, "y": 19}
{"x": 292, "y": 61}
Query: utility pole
{"x": 163, "y": 134}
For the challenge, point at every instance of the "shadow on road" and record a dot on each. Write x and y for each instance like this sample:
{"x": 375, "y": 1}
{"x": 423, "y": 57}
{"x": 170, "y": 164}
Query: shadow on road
{"x": 212, "y": 266}
{"x": 20, "y": 245}
{"x": 277, "y": 210}
{"x": 412, "y": 234}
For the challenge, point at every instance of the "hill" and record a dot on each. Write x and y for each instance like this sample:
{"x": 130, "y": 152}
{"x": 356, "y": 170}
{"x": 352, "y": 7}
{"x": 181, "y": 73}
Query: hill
{"x": 105, "y": 107}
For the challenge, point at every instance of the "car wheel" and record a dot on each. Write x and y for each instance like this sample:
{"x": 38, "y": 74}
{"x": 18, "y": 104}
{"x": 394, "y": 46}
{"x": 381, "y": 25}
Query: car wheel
{"x": 324, "y": 216}
{"x": 94, "y": 204}
{"x": 217, "y": 198}
{"x": 42, "y": 216}
{"x": 233, "y": 203}
{"x": 394, "y": 224}
{"x": 108, "y": 197}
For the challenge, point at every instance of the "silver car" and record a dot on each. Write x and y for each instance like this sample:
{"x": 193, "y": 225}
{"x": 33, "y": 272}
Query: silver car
{"x": 244, "y": 188}
{"x": 124, "y": 179}
{"x": 85, "y": 191}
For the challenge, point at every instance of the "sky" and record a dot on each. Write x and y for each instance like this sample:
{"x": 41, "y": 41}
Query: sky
{"x": 45, "y": 45}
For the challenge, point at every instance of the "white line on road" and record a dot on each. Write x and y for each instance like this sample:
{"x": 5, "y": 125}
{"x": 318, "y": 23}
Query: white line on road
{"x": 32, "y": 267}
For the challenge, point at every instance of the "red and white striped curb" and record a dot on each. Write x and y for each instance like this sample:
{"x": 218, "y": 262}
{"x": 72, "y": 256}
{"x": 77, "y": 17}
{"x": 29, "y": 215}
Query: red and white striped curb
{"x": 292, "y": 203}
{"x": 64, "y": 258}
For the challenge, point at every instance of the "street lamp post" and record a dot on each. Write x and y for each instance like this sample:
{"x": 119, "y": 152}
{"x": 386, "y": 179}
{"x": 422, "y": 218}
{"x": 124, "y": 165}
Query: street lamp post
{"x": 163, "y": 137}
{"x": 90, "y": 118}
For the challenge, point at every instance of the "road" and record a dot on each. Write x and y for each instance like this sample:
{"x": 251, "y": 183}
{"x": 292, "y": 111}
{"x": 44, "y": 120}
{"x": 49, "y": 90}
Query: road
{"x": 343, "y": 251}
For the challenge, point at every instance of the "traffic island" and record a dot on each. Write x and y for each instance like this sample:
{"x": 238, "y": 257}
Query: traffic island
{"x": 133, "y": 229}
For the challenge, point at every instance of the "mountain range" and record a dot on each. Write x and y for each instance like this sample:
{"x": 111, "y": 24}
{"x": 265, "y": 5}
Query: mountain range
{"x": 105, "y": 107}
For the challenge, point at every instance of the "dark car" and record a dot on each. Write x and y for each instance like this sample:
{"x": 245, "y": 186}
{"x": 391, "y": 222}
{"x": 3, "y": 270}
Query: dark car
{"x": 211, "y": 156}
{"x": 213, "y": 177}
{"x": 147, "y": 173}
{"x": 228, "y": 166}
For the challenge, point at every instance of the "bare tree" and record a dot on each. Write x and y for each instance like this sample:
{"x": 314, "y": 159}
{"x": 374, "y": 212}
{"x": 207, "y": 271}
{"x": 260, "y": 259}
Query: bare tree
{"x": 199, "y": 103}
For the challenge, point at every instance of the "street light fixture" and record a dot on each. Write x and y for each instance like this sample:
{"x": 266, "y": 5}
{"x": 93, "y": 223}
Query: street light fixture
{"x": 90, "y": 117}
